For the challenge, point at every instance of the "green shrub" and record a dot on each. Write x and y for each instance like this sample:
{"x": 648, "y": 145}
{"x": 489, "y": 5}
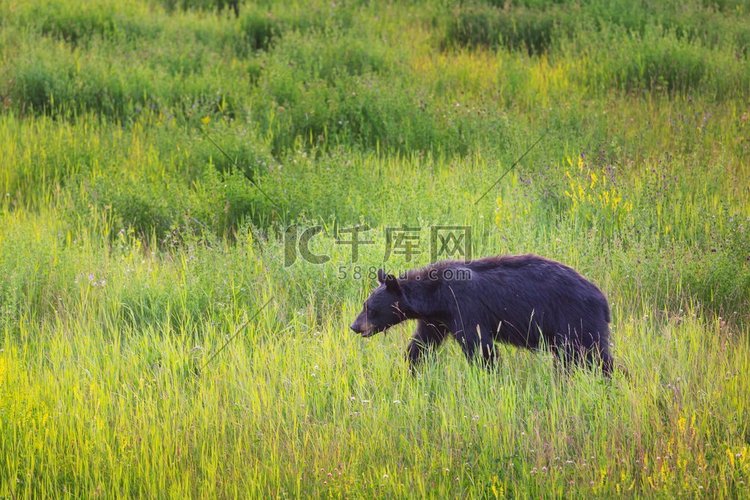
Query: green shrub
{"x": 243, "y": 202}
{"x": 730, "y": 6}
{"x": 535, "y": 25}
{"x": 672, "y": 67}
{"x": 662, "y": 62}
{"x": 147, "y": 206}
{"x": 223, "y": 201}
{"x": 332, "y": 55}
{"x": 57, "y": 82}
{"x": 719, "y": 275}
{"x": 516, "y": 28}
{"x": 706, "y": 24}
{"x": 322, "y": 95}
{"x": 74, "y": 25}
{"x": 260, "y": 26}
{"x": 259, "y": 29}
{"x": 36, "y": 86}
{"x": 165, "y": 210}
{"x": 79, "y": 23}
{"x": 49, "y": 155}
{"x": 194, "y": 4}
{"x": 362, "y": 110}
{"x": 241, "y": 150}
{"x": 32, "y": 250}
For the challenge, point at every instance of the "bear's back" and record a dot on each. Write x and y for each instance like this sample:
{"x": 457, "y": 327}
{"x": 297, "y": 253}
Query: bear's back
{"x": 530, "y": 263}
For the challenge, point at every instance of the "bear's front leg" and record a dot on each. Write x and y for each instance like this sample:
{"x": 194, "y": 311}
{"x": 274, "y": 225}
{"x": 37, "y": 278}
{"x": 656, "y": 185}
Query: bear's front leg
{"x": 427, "y": 336}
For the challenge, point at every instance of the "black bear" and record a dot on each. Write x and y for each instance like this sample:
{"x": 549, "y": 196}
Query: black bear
{"x": 524, "y": 300}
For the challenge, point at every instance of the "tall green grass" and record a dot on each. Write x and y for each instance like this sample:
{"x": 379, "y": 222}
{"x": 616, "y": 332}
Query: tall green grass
{"x": 154, "y": 154}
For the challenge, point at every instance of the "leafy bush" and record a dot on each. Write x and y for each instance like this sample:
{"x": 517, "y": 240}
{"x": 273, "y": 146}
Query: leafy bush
{"x": 55, "y": 81}
{"x": 219, "y": 5}
{"x": 662, "y": 62}
{"x": 537, "y": 25}
{"x": 362, "y": 110}
{"x": 37, "y": 84}
{"x": 228, "y": 147}
{"x": 80, "y": 23}
{"x": 29, "y": 286}
{"x": 516, "y": 28}
{"x": 258, "y": 29}
{"x": 333, "y": 55}
{"x": 349, "y": 91}
{"x": 63, "y": 87}
{"x": 594, "y": 199}
{"x": 261, "y": 26}
{"x": 221, "y": 202}
{"x": 167, "y": 210}
{"x": 149, "y": 208}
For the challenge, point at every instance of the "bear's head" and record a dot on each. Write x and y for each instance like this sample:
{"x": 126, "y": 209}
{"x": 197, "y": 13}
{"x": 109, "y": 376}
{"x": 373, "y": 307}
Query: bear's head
{"x": 383, "y": 308}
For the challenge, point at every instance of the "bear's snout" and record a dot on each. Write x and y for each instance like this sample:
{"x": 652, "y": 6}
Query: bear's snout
{"x": 362, "y": 327}
{"x": 359, "y": 325}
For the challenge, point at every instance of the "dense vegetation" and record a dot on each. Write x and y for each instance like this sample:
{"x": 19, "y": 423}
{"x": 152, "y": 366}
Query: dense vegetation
{"x": 153, "y": 152}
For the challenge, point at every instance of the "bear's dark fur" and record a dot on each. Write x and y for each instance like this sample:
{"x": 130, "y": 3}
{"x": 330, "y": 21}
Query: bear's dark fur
{"x": 524, "y": 300}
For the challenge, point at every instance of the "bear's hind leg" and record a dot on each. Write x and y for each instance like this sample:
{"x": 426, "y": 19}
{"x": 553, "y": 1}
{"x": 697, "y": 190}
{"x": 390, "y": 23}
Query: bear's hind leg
{"x": 600, "y": 356}
{"x": 596, "y": 349}
{"x": 565, "y": 354}
{"x": 593, "y": 354}
{"x": 478, "y": 347}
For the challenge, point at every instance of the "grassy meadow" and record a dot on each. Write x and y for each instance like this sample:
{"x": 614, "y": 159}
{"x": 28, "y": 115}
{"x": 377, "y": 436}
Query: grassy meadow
{"x": 156, "y": 341}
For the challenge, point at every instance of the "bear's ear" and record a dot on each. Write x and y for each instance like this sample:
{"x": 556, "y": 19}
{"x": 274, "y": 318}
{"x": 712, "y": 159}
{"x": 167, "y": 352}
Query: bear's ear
{"x": 381, "y": 276}
{"x": 389, "y": 280}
